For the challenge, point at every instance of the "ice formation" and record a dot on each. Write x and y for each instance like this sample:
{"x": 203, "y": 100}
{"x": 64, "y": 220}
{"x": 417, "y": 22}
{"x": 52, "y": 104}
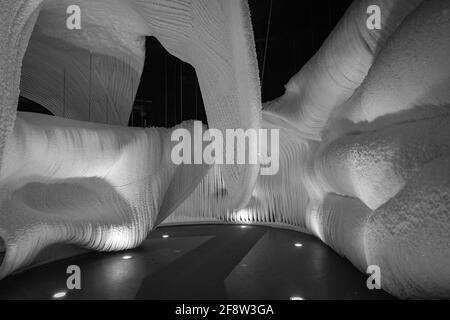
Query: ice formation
{"x": 364, "y": 134}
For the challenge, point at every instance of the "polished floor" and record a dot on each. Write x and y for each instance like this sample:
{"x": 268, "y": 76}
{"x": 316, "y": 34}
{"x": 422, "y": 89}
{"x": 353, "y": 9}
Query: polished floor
{"x": 202, "y": 262}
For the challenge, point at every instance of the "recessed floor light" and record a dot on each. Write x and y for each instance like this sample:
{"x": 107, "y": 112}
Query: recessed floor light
{"x": 165, "y": 236}
{"x": 296, "y": 298}
{"x": 298, "y": 245}
{"x": 243, "y": 227}
{"x": 59, "y": 294}
{"x": 127, "y": 257}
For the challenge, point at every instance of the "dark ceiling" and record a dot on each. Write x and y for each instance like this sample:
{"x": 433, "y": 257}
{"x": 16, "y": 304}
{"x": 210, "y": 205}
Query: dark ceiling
{"x": 169, "y": 94}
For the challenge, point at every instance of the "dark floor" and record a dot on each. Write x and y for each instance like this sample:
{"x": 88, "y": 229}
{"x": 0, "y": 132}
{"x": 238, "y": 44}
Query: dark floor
{"x": 203, "y": 262}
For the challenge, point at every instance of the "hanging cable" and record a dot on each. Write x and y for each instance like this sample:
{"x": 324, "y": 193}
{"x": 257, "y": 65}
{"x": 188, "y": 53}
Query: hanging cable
{"x": 181, "y": 90}
{"x": 266, "y": 44}
{"x": 165, "y": 90}
{"x": 64, "y": 93}
{"x": 196, "y": 100}
{"x": 90, "y": 84}
{"x": 132, "y": 108}
{"x": 107, "y": 108}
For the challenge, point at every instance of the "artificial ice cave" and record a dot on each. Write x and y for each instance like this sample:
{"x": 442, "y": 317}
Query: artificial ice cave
{"x": 364, "y": 133}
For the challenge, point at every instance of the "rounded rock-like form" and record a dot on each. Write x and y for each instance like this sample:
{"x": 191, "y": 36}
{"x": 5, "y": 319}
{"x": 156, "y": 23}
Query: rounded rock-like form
{"x": 409, "y": 238}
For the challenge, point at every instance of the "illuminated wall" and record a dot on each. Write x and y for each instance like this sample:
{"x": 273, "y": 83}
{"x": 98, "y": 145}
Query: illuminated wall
{"x": 364, "y": 133}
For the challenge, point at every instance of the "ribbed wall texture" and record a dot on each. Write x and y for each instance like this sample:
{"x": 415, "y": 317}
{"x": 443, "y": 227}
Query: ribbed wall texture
{"x": 58, "y": 174}
{"x": 364, "y": 134}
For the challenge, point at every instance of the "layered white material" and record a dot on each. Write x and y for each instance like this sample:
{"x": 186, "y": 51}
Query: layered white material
{"x": 339, "y": 67}
{"x": 93, "y": 74}
{"x": 97, "y": 186}
{"x": 410, "y": 76}
{"x": 376, "y": 190}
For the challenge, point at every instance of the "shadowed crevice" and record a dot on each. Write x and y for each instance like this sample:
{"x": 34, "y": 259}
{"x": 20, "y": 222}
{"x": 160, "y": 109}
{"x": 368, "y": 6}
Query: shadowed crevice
{"x": 2, "y": 250}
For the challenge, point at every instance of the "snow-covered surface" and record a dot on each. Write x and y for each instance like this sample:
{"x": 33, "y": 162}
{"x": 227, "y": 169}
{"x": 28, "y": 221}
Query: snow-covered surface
{"x": 372, "y": 183}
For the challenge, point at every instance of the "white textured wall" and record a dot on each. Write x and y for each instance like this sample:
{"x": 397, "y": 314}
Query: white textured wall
{"x": 364, "y": 134}
{"x": 57, "y": 175}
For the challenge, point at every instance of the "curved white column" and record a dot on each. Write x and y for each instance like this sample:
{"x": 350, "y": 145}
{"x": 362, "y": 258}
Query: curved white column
{"x": 339, "y": 67}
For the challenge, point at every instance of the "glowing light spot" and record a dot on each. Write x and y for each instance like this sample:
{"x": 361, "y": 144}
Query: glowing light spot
{"x": 296, "y": 298}
{"x": 127, "y": 257}
{"x": 298, "y": 245}
{"x": 243, "y": 215}
{"x": 316, "y": 227}
{"x": 165, "y": 236}
{"x": 59, "y": 294}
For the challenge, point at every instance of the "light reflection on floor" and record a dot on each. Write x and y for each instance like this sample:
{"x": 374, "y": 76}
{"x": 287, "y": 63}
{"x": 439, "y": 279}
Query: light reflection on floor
{"x": 202, "y": 262}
